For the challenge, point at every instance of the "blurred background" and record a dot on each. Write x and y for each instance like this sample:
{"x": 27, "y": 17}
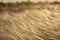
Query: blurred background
{"x": 28, "y": 0}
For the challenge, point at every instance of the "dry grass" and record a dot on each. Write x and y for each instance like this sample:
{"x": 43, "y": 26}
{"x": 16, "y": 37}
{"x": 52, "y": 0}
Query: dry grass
{"x": 41, "y": 23}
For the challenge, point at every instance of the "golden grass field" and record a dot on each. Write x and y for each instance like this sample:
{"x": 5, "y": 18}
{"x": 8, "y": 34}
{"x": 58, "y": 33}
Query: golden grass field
{"x": 41, "y": 22}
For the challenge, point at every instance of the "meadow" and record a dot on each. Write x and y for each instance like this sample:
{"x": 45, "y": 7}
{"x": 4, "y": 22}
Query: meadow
{"x": 29, "y": 21}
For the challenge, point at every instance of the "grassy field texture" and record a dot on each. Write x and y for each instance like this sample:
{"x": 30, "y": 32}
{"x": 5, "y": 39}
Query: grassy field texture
{"x": 29, "y": 21}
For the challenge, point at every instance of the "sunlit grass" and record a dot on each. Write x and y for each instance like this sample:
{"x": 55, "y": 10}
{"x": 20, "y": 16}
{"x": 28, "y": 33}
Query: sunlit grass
{"x": 29, "y": 21}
